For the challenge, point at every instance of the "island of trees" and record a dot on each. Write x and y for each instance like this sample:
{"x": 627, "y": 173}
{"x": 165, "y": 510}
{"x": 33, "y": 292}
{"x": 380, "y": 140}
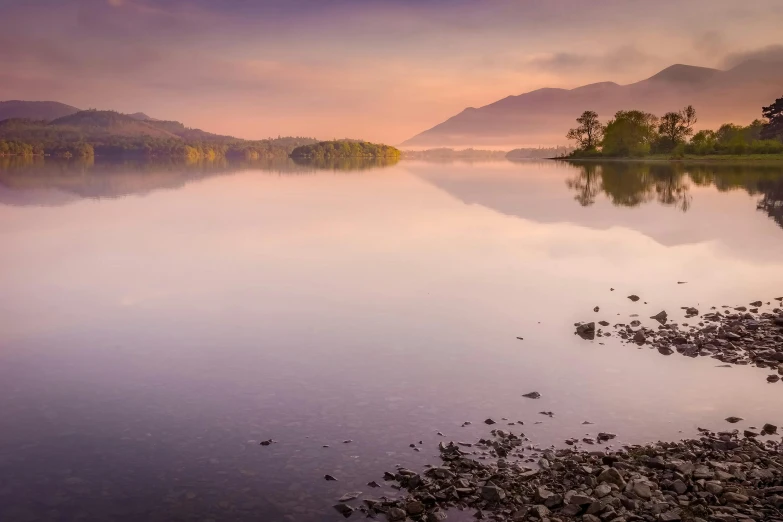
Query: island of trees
{"x": 636, "y": 134}
{"x": 112, "y": 134}
{"x": 339, "y": 149}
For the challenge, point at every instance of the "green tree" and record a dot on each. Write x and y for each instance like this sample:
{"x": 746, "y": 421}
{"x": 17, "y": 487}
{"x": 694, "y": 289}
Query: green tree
{"x": 630, "y": 133}
{"x": 675, "y": 127}
{"x": 589, "y": 132}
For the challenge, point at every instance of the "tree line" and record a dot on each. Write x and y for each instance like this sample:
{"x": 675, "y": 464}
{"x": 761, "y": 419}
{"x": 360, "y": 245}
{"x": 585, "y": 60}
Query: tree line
{"x": 635, "y": 133}
{"x": 92, "y": 135}
{"x": 345, "y": 149}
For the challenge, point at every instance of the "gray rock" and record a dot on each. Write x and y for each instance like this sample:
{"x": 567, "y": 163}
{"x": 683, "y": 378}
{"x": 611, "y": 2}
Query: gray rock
{"x": 661, "y": 317}
{"x": 670, "y": 516}
{"x": 602, "y": 490}
{"x": 612, "y": 476}
{"x": 642, "y": 490}
{"x": 350, "y": 496}
{"x": 344, "y": 509}
{"x": 414, "y": 508}
{"x": 395, "y": 514}
{"x": 492, "y": 493}
{"x": 532, "y": 395}
{"x": 735, "y": 498}
{"x": 679, "y": 487}
{"x": 733, "y": 420}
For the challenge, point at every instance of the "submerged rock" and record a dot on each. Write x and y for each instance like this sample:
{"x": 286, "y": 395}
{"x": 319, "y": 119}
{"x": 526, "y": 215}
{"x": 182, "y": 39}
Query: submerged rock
{"x": 532, "y": 395}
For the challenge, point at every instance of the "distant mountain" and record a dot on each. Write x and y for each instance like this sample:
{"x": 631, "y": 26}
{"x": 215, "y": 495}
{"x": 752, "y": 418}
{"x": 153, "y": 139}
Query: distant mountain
{"x": 543, "y": 116}
{"x": 141, "y": 116}
{"x": 35, "y": 110}
{"x": 113, "y": 123}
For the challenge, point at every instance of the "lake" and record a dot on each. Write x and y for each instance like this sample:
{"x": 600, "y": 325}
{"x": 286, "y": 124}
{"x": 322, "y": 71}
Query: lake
{"x": 158, "y": 321}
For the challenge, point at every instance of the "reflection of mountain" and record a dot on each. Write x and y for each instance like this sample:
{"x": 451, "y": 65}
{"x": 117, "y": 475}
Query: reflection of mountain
{"x": 635, "y": 196}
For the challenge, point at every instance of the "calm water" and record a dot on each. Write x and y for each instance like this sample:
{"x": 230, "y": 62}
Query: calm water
{"x": 158, "y": 321}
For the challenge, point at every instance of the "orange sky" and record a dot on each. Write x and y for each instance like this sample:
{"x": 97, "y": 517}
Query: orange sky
{"x": 381, "y": 70}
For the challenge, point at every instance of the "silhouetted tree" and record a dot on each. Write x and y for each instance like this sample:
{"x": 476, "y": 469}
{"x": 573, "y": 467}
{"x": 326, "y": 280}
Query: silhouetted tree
{"x": 589, "y": 132}
{"x": 773, "y": 113}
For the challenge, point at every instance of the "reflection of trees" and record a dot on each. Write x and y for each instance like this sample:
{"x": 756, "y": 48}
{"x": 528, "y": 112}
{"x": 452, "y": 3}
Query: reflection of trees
{"x": 772, "y": 200}
{"x": 100, "y": 178}
{"x": 586, "y": 185}
{"x": 345, "y": 164}
{"x": 630, "y": 184}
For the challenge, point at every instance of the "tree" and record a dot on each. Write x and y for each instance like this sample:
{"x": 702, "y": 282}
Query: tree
{"x": 676, "y": 126}
{"x": 630, "y": 133}
{"x": 774, "y": 115}
{"x": 589, "y": 132}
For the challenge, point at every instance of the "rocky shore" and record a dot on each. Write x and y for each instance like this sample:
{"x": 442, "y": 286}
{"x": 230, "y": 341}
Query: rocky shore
{"x": 720, "y": 477}
{"x": 739, "y": 335}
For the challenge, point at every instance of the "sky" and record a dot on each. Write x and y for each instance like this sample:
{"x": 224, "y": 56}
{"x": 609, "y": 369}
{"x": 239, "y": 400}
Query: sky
{"x": 381, "y": 70}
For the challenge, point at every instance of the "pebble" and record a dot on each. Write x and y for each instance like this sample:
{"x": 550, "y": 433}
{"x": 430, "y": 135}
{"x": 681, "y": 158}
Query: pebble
{"x": 532, "y": 395}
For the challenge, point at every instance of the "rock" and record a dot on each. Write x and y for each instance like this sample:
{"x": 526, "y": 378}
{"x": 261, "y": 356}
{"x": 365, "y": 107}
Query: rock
{"x": 733, "y": 420}
{"x": 596, "y": 309}
{"x": 373, "y": 484}
{"x": 713, "y": 488}
{"x": 735, "y": 498}
{"x": 489, "y": 421}
{"x": 679, "y": 487}
{"x": 344, "y": 509}
{"x": 749, "y": 433}
{"x": 603, "y": 437}
{"x": 773, "y": 378}
{"x": 586, "y": 331}
{"x": 642, "y": 490}
{"x": 329, "y": 477}
{"x": 394, "y": 514}
{"x": 756, "y": 303}
{"x": 602, "y": 490}
{"x": 350, "y": 496}
{"x": 578, "y": 499}
{"x": 670, "y": 516}
{"x": 612, "y": 476}
{"x": 633, "y": 297}
{"x": 492, "y": 493}
{"x": 532, "y": 395}
{"x": 769, "y": 429}
{"x": 639, "y": 337}
{"x": 661, "y": 317}
{"x": 266, "y": 442}
{"x": 414, "y": 508}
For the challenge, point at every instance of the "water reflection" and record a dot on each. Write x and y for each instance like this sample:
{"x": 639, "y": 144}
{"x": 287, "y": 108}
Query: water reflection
{"x": 634, "y": 184}
{"x": 148, "y": 343}
{"x": 47, "y": 182}
{"x": 345, "y": 164}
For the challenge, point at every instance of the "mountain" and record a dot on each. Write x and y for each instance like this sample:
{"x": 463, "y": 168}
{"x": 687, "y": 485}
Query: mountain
{"x": 35, "y": 110}
{"x": 543, "y": 116}
{"x": 141, "y": 116}
{"x": 114, "y": 123}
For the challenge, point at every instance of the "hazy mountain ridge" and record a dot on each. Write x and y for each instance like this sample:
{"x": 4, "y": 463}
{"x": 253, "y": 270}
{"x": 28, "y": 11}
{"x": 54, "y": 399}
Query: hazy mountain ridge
{"x": 35, "y": 110}
{"x": 543, "y": 116}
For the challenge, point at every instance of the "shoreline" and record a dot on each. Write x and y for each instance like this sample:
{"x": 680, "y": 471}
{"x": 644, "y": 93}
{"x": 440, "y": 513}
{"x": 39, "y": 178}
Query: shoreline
{"x": 722, "y": 477}
{"x": 753, "y": 158}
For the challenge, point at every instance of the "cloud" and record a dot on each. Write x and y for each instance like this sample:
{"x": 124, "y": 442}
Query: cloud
{"x": 621, "y": 59}
{"x": 710, "y": 43}
{"x": 770, "y": 53}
